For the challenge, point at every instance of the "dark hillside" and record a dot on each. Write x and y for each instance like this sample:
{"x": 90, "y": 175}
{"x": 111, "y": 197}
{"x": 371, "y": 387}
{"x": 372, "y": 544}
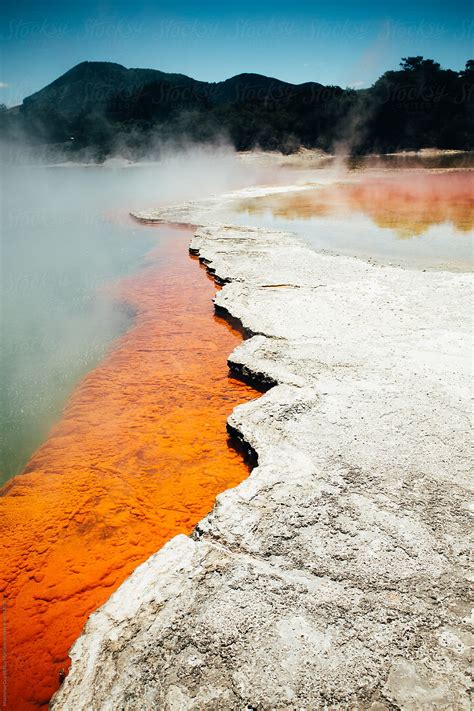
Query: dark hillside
{"x": 106, "y": 108}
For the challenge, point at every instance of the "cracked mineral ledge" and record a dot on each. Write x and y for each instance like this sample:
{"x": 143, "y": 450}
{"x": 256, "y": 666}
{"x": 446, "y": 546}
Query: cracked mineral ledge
{"x": 336, "y": 575}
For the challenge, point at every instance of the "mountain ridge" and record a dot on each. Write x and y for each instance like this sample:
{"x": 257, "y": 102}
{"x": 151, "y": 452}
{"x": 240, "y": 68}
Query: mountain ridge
{"x": 105, "y": 108}
{"x": 158, "y": 73}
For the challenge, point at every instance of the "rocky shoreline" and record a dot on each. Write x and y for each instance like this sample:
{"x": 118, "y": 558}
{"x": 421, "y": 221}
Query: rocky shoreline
{"x": 336, "y": 575}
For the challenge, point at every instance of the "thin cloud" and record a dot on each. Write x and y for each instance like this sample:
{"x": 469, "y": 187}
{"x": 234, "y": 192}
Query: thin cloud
{"x": 4, "y": 85}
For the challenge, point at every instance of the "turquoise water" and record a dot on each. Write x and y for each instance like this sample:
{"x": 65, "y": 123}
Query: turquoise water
{"x": 58, "y": 250}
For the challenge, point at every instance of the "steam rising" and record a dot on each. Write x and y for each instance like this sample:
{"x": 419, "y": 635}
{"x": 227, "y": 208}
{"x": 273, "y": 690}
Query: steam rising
{"x": 66, "y": 236}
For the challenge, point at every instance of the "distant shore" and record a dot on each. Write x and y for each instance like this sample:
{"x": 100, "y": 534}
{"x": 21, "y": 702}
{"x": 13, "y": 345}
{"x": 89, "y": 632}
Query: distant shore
{"x": 314, "y": 158}
{"x": 302, "y": 158}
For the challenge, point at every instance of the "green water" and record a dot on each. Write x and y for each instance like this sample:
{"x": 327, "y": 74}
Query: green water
{"x": 58, "y": 251}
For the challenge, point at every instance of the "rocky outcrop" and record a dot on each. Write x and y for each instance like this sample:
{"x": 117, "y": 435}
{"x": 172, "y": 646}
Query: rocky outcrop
{"x": 336, "y": 575}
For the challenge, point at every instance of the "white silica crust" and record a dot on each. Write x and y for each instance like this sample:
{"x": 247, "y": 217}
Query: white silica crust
{"x": 336, "y": 576}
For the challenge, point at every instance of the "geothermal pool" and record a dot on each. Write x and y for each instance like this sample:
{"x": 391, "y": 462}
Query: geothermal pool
{"x": 114, "y": 322}
{"x": 140, "y": 364}
{"x": 65, "y": 237}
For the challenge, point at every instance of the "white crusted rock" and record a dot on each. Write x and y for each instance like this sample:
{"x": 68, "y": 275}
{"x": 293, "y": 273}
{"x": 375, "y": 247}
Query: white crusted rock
{"x": 336, "y": 576}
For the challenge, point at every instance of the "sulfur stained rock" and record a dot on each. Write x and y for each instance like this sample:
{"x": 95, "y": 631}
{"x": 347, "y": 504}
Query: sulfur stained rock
{"x": 336, "y": 576}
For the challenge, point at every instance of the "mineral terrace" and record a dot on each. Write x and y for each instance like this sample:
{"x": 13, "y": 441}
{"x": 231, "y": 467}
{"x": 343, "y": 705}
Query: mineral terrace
{"x": 336, "y": 575}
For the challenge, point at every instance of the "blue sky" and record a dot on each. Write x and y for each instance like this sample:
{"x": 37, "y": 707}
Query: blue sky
{"x": 344, "y": 43}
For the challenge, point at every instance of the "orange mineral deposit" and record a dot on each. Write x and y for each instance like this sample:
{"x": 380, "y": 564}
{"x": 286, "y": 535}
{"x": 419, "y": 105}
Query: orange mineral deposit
{"x": 409, "y": 203}
{"x": 139, "y": 455}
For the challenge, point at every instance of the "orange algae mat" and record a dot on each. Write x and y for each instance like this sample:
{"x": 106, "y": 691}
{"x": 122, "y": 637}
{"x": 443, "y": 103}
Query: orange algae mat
{"x": 139, "y": 455}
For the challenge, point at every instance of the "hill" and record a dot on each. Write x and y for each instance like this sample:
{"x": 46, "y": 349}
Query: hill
{"x": 105, "y": 108}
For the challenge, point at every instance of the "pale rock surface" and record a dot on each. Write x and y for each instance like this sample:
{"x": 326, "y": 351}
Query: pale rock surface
{"x": 337, "y": 575}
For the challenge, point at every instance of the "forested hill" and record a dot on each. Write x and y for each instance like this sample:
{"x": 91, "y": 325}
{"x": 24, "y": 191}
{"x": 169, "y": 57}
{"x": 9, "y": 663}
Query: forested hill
{"x": 104, "y": 108}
